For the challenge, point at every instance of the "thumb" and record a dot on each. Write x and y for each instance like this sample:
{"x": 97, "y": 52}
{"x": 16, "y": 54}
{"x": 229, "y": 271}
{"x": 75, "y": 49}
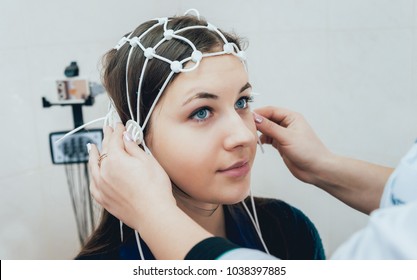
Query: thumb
{"x": 270, "y": 128}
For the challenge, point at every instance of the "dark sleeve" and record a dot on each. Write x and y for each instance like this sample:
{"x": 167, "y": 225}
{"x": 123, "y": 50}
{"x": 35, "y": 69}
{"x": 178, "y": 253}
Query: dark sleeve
{"x": 210, "y": 249}
{"x": 309, "y": 245}
{"x": 288, "y": 233}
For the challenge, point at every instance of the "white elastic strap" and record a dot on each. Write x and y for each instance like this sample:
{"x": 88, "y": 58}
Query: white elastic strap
{"x": 121, "y": 230}
{"x": 146, "y": 148}
{"x": 256, "y": 226}
{"x": 142, "y": 257}
{"x": 151, "y": 28}
{"x": 214, "y": 54}
{"x": 122, "y": 42}
{"x": 190, "y": 28}
{"x": 250, "y": 216}
{"x": 156, "y": 99}
{"x": 185, "y": 70}
{"x": 221, "y": 35}
{"x": 140, "y": 90}
{"x": 162, "y": 58}
{"x": 79, "y": 128}
{"x": 185, "y": 40}
{"x": 261, "y": 146}
{"x": 194, "y": 11}
{"x": 127, "y": 84}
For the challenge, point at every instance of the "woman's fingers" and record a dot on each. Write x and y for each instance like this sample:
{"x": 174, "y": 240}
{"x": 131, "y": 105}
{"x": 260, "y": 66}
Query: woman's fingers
{"x": 93, "y": 161}
{"x": 131, "y": 147}
{"x": 270, "y": 129}
{"x": 116, "y": 142}
{"x": 281, "y": 116}
{"x": 112, "y": 148}
{"x": 94, "y": 171}
{"x": 122, "y": 141}
{"x": 265, "y": 139}
{"x": 107, "y": 131}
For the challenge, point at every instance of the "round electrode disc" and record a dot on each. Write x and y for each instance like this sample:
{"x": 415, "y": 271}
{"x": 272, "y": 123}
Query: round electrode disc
{"x": 135, "y": 131}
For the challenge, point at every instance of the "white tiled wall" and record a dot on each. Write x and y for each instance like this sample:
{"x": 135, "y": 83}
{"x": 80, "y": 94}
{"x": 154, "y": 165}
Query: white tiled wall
{"x": 348, "y": 66}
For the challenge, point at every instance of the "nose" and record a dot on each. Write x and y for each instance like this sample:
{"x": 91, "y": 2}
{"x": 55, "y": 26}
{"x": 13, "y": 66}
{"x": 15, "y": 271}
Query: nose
{"x": 240, "y": 131}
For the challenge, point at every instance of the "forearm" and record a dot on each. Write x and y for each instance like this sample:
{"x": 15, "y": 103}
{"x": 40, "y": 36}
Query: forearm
{"x": 357, "y": 183}
{"x": 170, "y": 233}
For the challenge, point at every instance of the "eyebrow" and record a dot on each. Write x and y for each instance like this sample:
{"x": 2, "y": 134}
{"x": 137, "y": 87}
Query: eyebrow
{"x": 245, "y": 87}
{"x": 206, "y": 95}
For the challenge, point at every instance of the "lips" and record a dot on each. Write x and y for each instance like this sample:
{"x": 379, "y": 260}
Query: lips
{"x": 239, "y": 169}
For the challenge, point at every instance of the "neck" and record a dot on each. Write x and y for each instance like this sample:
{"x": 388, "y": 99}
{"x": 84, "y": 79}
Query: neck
{"x": 210, "y": 216}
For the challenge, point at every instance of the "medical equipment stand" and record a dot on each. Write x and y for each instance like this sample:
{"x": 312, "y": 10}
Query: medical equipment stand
{"x": 72, "y": 153}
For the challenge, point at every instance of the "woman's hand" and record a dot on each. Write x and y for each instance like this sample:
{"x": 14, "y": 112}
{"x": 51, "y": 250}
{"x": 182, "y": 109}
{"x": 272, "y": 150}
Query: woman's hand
{"x": 357, "y": 183}
{"x": 133, "y": 187}
{"x": 302, "y": 151}
{"x": 127, "y": 182}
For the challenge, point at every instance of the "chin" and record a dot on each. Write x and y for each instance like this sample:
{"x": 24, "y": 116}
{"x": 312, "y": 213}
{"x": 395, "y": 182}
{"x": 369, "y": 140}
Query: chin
{"x": 237, "y": 197}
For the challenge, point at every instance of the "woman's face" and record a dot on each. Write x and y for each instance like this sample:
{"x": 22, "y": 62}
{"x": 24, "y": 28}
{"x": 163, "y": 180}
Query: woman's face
{"x": 203, "y": 133}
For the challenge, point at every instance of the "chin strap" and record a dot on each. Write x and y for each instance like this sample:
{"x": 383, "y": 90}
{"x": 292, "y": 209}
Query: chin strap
{"x": 254, "y": 220}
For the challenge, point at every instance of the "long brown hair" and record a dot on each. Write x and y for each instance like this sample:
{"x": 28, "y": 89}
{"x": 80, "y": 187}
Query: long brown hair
{"x": 107, "y": 235}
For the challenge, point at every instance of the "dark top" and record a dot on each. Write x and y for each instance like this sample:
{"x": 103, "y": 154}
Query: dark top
{"x": 287, "y": 232}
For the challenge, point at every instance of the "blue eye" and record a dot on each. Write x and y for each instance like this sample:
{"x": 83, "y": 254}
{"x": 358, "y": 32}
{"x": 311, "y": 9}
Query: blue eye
{"x": 201, "y": 115}
{"x": 242, "y": 103}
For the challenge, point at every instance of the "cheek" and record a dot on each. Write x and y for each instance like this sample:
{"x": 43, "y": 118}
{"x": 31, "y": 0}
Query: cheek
{"x": 187, "y": 160}
{"x": 249, "y": 121}
{"x": 250, "y": 124}
{"x": 191, "y": 159}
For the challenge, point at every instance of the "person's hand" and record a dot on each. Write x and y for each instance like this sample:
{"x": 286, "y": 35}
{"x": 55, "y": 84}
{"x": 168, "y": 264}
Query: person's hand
{"x": 287, "y": 131}
{"x": 126, "y": 181}
{"x": 133, "y": 187}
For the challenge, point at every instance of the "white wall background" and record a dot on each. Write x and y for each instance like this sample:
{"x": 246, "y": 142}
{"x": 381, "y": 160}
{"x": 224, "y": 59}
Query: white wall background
{"x": 348, "y": 66}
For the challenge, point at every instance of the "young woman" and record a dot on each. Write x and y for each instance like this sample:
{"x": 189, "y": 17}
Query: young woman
{"x": 201, "y": 132}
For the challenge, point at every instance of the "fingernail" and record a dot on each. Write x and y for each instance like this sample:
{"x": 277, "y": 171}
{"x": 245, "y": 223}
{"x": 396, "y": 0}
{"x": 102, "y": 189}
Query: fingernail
{"x": 88, "y": 147}
{"x": 127, "y": 136}
{"x": 257, "y": 118}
